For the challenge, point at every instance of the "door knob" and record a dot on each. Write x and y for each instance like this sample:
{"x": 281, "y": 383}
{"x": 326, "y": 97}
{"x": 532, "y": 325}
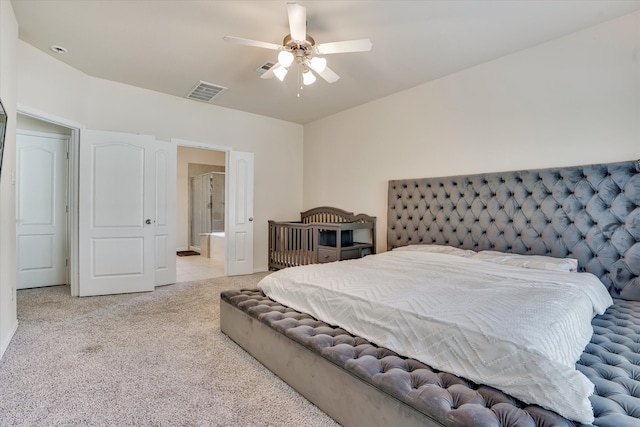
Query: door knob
{"x": 148, "y": 221}
{"x": 250, "y": 218}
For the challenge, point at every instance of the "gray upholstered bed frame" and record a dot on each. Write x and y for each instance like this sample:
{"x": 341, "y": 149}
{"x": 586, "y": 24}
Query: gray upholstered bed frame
{"x": 591, "y": 213}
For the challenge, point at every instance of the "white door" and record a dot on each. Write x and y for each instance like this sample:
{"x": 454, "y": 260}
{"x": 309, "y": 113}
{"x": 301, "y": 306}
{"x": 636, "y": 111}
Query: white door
{"x": 165, "y": 212}
{"x": 41, "y": 227}
{"x": 240, "y": 215}
{"x": 116, "y": 209}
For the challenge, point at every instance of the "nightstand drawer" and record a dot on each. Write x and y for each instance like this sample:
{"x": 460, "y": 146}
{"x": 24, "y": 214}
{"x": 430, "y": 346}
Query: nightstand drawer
{"x": 350, "y": 253}
{"x": 327, "y": 254}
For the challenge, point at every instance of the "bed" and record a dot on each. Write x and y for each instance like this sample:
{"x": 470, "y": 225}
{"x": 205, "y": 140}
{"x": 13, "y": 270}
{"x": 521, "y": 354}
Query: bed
{"x": 587, "y": 213}
{"x": 323, "y": 234}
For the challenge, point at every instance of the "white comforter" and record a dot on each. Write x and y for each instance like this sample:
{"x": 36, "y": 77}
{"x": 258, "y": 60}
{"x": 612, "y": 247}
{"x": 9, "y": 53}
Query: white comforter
{"x": 519, "y": 330}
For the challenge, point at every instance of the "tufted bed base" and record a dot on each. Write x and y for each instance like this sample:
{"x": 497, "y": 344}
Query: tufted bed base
{"x": 360, "y": 384}
{"x": 346, "y": 398}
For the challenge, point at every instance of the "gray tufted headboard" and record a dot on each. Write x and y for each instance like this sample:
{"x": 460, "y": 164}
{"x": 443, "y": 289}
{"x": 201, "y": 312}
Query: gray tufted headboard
{"x": 591, "y": 213}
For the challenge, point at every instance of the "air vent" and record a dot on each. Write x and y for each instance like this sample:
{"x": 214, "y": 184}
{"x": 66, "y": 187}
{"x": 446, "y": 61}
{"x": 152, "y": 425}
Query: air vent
{"x": 265, "y": 67}
{"x": 204, "y": 91}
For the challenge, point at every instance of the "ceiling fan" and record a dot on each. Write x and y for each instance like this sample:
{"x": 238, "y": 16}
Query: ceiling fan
{"x": 301, "y": 49}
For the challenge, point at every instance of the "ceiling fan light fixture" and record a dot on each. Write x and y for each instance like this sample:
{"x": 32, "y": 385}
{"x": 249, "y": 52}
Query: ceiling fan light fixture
{"x": 318, "y": 64}
{"x": 308, "y": 78}
{"x": 280, "y": 72}
{"x": 300, "y": 48}
{"x": 285, "y": 58}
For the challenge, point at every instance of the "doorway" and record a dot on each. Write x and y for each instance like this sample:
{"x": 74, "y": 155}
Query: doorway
{"x": 201, "y": 206}
{"x": 238, "y": 217}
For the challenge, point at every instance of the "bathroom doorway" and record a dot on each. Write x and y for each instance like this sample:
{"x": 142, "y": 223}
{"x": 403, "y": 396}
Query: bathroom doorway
{"x": 201, "y": 187}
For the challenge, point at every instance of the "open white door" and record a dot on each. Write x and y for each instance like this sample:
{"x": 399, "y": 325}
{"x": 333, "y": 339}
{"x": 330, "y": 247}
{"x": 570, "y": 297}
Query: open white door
{"x": 41, "y": 209}
{"x": 116, "y": 208}
{"x": 240, "y": 214}
{"x": 165, "y": 212}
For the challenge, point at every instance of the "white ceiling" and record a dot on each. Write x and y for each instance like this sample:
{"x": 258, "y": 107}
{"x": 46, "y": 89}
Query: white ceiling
{"x": 168, "y": 46}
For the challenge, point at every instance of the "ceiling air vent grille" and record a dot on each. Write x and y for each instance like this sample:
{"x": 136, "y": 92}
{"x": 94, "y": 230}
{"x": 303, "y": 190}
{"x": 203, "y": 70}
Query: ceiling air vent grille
{"x": 265, "y": 67}
{"x": 204, "y": 91}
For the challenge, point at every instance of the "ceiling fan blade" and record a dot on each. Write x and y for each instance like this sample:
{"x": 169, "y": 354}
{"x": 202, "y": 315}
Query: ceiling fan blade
{"x": 362, "y": 45}
{"x": 253, "y": 43}
{"x": 297, "y": 21}
{"x": 329, "y": 75}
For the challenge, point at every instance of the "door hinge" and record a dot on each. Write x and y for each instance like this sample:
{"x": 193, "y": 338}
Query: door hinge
{"x": 66, "y": 262}
{"x": 66, "y": 208}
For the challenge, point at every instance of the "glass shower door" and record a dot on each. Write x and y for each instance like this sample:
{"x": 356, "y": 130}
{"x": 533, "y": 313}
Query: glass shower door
{"x": 207, "y": 205}
{"x": 196, "y": 212}
{"x": 217, "y": 202}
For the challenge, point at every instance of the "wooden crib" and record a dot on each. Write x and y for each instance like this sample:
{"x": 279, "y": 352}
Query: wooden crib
{"x": 323, "y": 234}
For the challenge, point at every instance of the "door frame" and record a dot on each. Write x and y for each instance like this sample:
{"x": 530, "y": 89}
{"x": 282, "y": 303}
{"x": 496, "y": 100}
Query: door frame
{"x": 226, "y": 150}
{"x": 72, "y": 186}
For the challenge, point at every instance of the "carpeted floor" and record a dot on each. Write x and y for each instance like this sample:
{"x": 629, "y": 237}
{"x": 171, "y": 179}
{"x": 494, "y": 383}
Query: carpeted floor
{"x": 156, "y": 359}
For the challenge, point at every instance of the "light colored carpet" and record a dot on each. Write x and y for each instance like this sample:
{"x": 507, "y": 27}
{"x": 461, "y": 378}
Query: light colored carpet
{"x": 156, "y": 358}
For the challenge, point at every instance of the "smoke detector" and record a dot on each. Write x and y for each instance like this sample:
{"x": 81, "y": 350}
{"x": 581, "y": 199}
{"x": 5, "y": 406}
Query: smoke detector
{"x": 58, "y": 49}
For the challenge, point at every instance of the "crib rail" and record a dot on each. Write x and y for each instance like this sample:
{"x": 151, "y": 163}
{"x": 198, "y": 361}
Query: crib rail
{"x": 291, "y": 244}
{"x": 326, "y": 214}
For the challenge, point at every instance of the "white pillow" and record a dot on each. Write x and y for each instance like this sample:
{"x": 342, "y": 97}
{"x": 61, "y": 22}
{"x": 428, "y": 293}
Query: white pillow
{"x": 438, "y": 249}
{"x": 539, "y": 262}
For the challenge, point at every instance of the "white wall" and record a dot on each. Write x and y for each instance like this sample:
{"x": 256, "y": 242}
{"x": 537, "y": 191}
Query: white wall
{"x": 575, "y": 100}
{"x": 31, "y": 124}
{"x": 188, "y": 155}
{"x": 49, "y": 86}
{"x": 8, "y": 94}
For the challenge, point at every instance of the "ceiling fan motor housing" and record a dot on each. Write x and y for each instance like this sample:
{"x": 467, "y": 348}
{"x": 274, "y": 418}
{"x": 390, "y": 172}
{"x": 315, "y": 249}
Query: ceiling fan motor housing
{"x": 301, "y": 50}
{"x": 289, "y": 42}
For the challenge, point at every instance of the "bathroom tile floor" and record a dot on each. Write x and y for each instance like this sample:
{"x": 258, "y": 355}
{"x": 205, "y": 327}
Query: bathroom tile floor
{"x": 197, "y": 267}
